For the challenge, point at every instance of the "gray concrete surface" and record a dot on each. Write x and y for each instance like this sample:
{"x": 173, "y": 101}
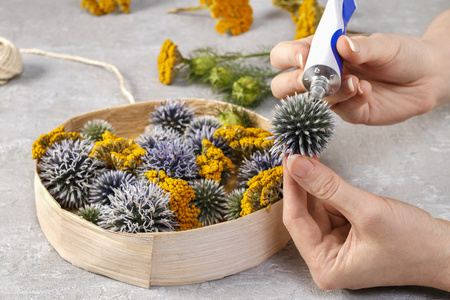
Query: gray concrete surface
{"x": 408, "y": 161}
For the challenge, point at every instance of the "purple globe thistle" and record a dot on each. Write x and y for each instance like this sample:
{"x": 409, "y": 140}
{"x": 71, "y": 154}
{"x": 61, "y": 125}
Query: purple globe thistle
{"x": 197, "y": 123}
{"x": 173, "y": 114}
{"x": 195, "y": 140}
{"x": 104, "y": 184}
{"x": 157, "y": 133}
{"x": 67, "y": 172}
{"x": 258, "y": 161}
{"x": 138, "y": 207}
{"x": 175, "y": 158}
{"x": 210, "y": 199}
{"x": 301, "y": 126}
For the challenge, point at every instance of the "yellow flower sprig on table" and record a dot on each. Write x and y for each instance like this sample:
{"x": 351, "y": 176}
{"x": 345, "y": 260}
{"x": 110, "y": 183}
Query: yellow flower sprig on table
{"x": 55, "y": 136}
{"x": 263, "y": 190}
{"x": 118, "y": 153}
{"x": 234, "y": 16}
{"x": 213, "y": 163}
{"x": 102, "y": 7}
{"x": 180, "y": 194}
{"x": 245, "y": 140}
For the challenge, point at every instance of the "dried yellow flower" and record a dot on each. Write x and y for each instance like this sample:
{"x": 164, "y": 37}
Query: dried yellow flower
{"x": 170, "y": 62}
{"x": 180, "y": 194}
{"x": 54, "y": 136}
{"x": 101, "y": 7}
{"x": 245, "y": 140}
{"x": 234, "y": 16}
{"x": 263, "y": 191}
{"x": 118, "y": 153}
{"x": 309, "y": 14}
{"x": 213, "y": 163}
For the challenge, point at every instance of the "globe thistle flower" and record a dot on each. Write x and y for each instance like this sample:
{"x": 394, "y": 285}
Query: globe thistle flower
{"x": 258, "y": 161}
{"x": 118, "y": 153}
{"x": 264, "y": 190}
{"x": 233, "y": 204}
{"x": 210, "y": 199}
{"x": 101, "y": 7}
{"x": 138, "y": 207}
{"x": 170, "y": 62}
{"x": 55, "y": 136}
{"x": 173, "y": 114}
{"x": 301, "y": 126}
{"x": 175, "y": 158}
{"x": 198, "y": 122}
{"x": 67, "y": 172}
{"x": 90, "y": 212}
{"x": 156, "y": 133}
{"x": 195, "y": 140}
{"x": 104, "y": 184}
{"x": 93, "y": 129}
{"x": 181, "y": 196}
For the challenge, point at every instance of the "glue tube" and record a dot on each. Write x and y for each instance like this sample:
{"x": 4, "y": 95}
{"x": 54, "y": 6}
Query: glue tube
{"x": 323, "y": 69}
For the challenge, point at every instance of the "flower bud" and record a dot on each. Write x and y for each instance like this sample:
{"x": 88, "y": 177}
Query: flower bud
{"x": 221, "y": 78}
{"x": 202, "y": 65}
{"x": 246, "y": 90}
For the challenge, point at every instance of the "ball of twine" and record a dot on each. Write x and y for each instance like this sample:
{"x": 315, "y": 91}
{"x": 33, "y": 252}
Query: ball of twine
{"x": 10, "y": 60}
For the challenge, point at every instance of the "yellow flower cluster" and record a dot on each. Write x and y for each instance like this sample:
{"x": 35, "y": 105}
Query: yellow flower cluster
{"x": 170, "y": 61}
{"x": 118, "y": 153}
{"x": 245, "y": 140}
{"x": 309, "y": 14}
{"x": 234, "y": 16}
{"x": 101, "y": 7}
{"x": 264, "y": 190}
{"x": 180, "y": 194}
{"x": 213, "y": 163}
{"x": 54, "y": 136}
{"x": 288, "y": 5}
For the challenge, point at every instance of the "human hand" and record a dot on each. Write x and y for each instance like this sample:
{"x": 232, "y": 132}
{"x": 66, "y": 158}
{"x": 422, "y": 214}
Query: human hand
{"x": 353, "y": 239}
{"x": 387, "y": 78}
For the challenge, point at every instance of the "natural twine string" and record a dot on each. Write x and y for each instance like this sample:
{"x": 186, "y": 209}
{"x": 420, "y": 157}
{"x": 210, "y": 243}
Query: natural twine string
{"x": 11, "y": 63}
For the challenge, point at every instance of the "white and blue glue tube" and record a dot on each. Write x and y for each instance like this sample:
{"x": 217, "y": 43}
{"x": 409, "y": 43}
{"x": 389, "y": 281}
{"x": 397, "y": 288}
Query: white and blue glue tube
{"x": 323, "y": 69}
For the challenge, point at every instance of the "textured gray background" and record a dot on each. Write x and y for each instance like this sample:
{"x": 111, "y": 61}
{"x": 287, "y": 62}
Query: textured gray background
{"x": 408, "y": 161}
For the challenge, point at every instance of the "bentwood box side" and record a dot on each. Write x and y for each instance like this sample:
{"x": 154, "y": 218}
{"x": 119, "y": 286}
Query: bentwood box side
{"x": 172, "y": 258}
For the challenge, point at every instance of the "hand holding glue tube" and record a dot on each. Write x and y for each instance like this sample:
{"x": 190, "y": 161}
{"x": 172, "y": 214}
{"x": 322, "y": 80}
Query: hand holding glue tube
{"x": 323, "y": 69}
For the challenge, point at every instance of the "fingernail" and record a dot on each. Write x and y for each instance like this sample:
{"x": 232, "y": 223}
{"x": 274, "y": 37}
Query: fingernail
{"x": 353, "y": 45}
{"x": 350, "y": 85}
{"x": 299, "y": 165}
{"x": 300, "y": 59}
{"x": 360, "y": 91}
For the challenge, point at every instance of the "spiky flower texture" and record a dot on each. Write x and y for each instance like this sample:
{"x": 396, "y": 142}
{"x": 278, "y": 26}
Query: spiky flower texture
{"x": 90, "y": 213}
{"x": 301, "y": 126}
{"x": 210, "y": 199}
{"x": 104, "y": 184}
{"x": 173, "y": 114}
{"x": 93, "y": 129}
{"x": 233, "y": 204}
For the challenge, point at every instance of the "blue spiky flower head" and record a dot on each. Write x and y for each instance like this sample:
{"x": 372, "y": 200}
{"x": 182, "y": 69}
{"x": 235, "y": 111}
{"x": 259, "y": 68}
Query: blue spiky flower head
{"x": 233, "y": 204}
{"x": 195, "y": 140}
{"x": 210, "y": 199}
{"x": 156, "y": 133}
{"x": 173, "y": 114}
{"x": 67, "y": 172}
{"x": 104, "y": 184}
{"x": 175, "y": 158}
{"x": 93, "y": 129}
{"x": 301, "y": 126}
{"x": 138, "y": 207}
{"x": 198, "y": 122}
{"x": 258, "y": 161}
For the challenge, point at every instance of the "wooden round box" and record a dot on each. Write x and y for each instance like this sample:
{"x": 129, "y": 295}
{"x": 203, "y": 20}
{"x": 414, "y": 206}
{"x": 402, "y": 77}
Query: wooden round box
{"x": 166, "y": 258}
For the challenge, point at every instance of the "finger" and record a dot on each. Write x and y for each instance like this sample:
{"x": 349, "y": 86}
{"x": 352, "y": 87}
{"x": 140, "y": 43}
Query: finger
{"x": 375, "y": 49}
{"x": 301, "y": 226}
{"x": 287, "y": 84}
{"x": 326, "y": 185}
{"x": 348, "y": 89}
{"x": 290, "y": 54}
{"x": 356, "y": 109}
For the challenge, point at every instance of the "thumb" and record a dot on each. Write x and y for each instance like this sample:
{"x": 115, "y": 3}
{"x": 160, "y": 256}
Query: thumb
{"x": 323, "y": 183}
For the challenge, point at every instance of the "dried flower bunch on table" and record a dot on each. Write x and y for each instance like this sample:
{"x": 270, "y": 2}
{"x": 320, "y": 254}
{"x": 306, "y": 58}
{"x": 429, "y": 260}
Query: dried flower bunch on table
{"x": 179, "y": 174}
